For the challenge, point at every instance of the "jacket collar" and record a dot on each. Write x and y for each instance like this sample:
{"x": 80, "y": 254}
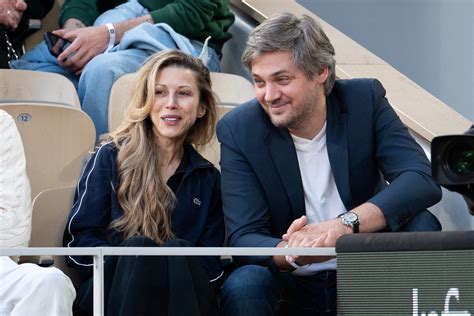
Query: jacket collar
{"x": 192, "y": 160}
{"x": 283, "y": 153}
{"x": 337, "y": 145}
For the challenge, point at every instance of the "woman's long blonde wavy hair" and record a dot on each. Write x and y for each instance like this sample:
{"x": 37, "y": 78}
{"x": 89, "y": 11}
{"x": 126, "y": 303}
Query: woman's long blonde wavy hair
{"x": 145, "y": 198}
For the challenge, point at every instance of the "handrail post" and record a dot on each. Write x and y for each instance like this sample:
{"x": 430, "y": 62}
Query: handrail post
{"x": 99, "y": 283}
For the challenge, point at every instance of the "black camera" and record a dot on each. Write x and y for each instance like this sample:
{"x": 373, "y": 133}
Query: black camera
{"x": 452, "y": 164}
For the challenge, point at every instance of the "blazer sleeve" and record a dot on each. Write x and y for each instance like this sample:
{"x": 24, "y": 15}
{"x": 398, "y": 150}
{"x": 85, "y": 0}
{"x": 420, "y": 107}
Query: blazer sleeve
{"x": 245, "y": 207}
{"x": 91, "y": 212}
{"x": 403, "y": 165}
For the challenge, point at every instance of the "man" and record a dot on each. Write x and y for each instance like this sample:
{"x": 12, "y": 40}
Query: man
{"x": 25, "y": 289}
{"x": 308, "y": 161}
{"x": 112, "y": 38}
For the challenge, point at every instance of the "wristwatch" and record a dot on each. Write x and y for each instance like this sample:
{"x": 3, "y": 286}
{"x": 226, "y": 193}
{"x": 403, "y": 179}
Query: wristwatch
{"x": 350, "y": 219}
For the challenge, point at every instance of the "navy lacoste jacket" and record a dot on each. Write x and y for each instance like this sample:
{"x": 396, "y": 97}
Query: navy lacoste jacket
{"x": 197, "y": 217}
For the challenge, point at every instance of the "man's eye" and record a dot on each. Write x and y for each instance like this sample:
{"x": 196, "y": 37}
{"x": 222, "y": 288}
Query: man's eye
{"x": 283, "y": 80}
{"x": 258, "y": 82}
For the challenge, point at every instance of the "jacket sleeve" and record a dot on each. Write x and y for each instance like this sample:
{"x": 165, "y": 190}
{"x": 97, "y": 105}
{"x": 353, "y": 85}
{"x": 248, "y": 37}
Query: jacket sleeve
{"x": 90, "y": 215}
{"x": 214, "y": 232}
{"x": 84, "y": 10}
{"x": 184, "y": 16}
{"x": 244, "y": 201}
{"x": 403, "y": 164}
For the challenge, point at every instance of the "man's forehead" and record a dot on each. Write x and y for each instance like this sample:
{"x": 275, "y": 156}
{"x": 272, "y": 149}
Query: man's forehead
{"x": 273, "y": 64}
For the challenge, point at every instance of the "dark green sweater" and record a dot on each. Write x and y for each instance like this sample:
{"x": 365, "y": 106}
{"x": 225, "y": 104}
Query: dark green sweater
{"x": 195, "y": 19}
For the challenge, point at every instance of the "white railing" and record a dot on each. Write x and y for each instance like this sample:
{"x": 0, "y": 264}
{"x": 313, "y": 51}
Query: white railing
{"x": 98, "y": 254}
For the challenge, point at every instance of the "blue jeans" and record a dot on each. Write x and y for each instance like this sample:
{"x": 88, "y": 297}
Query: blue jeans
{"x": 94, "y": 84}
{"x": 257, "y": 290}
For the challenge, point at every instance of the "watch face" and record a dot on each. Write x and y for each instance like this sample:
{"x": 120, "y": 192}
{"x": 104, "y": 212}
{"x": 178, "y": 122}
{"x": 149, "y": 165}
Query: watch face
{"x": 350, "y": 217}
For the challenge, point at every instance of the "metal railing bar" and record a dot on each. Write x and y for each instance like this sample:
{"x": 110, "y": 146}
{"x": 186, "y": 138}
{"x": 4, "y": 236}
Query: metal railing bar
{"x": 98, "y": 254}
{"x": 168, "y": 251}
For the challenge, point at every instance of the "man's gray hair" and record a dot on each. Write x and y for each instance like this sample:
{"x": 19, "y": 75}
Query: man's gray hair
{"x": 303, "y": 37}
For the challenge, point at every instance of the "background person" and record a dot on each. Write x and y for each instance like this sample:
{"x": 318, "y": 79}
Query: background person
{"x": 149, "y": 187}
{"x": 307, "y": 161}
{"x": 110, "y": 39}
{"x": 25, "y": 289}
{"x": 15, "y": 16}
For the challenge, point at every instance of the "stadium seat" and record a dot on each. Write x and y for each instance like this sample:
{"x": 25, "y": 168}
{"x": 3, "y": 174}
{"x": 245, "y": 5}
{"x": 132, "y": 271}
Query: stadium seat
{"x": 50, "y": 212}
{"x": 57, "y": 140}
{"x": 36, "y": 87}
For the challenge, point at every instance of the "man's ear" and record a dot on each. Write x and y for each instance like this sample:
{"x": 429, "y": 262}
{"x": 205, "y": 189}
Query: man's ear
{"x": 323, "y": 75}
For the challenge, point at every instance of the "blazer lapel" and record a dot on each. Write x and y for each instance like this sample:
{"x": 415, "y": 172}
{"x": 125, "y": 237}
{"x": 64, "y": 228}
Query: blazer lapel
{"x": 336, "y": 139}
{"x": 283, "y": 154}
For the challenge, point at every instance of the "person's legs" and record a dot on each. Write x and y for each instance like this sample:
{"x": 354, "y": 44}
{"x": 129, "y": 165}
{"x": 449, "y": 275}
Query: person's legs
{"x": 256, "y": 290}
{"x": 28, "y": 289}
{"x": 308, "y": 295}
{"x": 250, "y": 290}
{"x": 151, "y": 285}
{"x": 40, "y": 59}
{"x": 189, "y": 283}
{"x": 133, "y": 285}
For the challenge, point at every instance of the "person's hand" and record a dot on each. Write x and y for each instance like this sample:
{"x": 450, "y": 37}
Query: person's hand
{"x": 73, "y": 24}
{"x": 301, "y": 234}
{"x": 86, "y": 43}
{"x": 295, "y": 226}
{"x": 319, "y": 240}
{"x": 11, "y": 12}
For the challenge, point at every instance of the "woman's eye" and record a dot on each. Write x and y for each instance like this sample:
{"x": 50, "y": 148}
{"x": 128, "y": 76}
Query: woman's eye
{"x": 185, "y": 93}
{"x": 159, "y": 92}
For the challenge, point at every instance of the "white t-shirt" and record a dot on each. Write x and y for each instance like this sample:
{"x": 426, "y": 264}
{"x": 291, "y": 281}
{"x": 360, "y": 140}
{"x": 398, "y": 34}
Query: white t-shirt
{"x": 322, "y": 199}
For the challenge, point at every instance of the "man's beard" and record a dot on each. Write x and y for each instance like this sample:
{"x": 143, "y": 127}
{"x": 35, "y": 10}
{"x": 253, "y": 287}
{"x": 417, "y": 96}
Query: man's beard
{"x": 300, "y": 114}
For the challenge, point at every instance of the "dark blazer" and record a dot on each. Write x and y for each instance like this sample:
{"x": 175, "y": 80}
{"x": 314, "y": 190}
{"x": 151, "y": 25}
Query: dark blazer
{"x": 367, "y": 144}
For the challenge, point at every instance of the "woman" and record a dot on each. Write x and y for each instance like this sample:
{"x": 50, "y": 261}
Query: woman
{"x": 149, "y": 187}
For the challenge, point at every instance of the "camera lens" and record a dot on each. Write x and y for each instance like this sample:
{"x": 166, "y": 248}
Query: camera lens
{"x": 460, "y": 160}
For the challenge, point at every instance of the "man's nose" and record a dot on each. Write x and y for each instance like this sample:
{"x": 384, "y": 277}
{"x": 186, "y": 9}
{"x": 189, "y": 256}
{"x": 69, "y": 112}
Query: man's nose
{"x": 272, "y": 93}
